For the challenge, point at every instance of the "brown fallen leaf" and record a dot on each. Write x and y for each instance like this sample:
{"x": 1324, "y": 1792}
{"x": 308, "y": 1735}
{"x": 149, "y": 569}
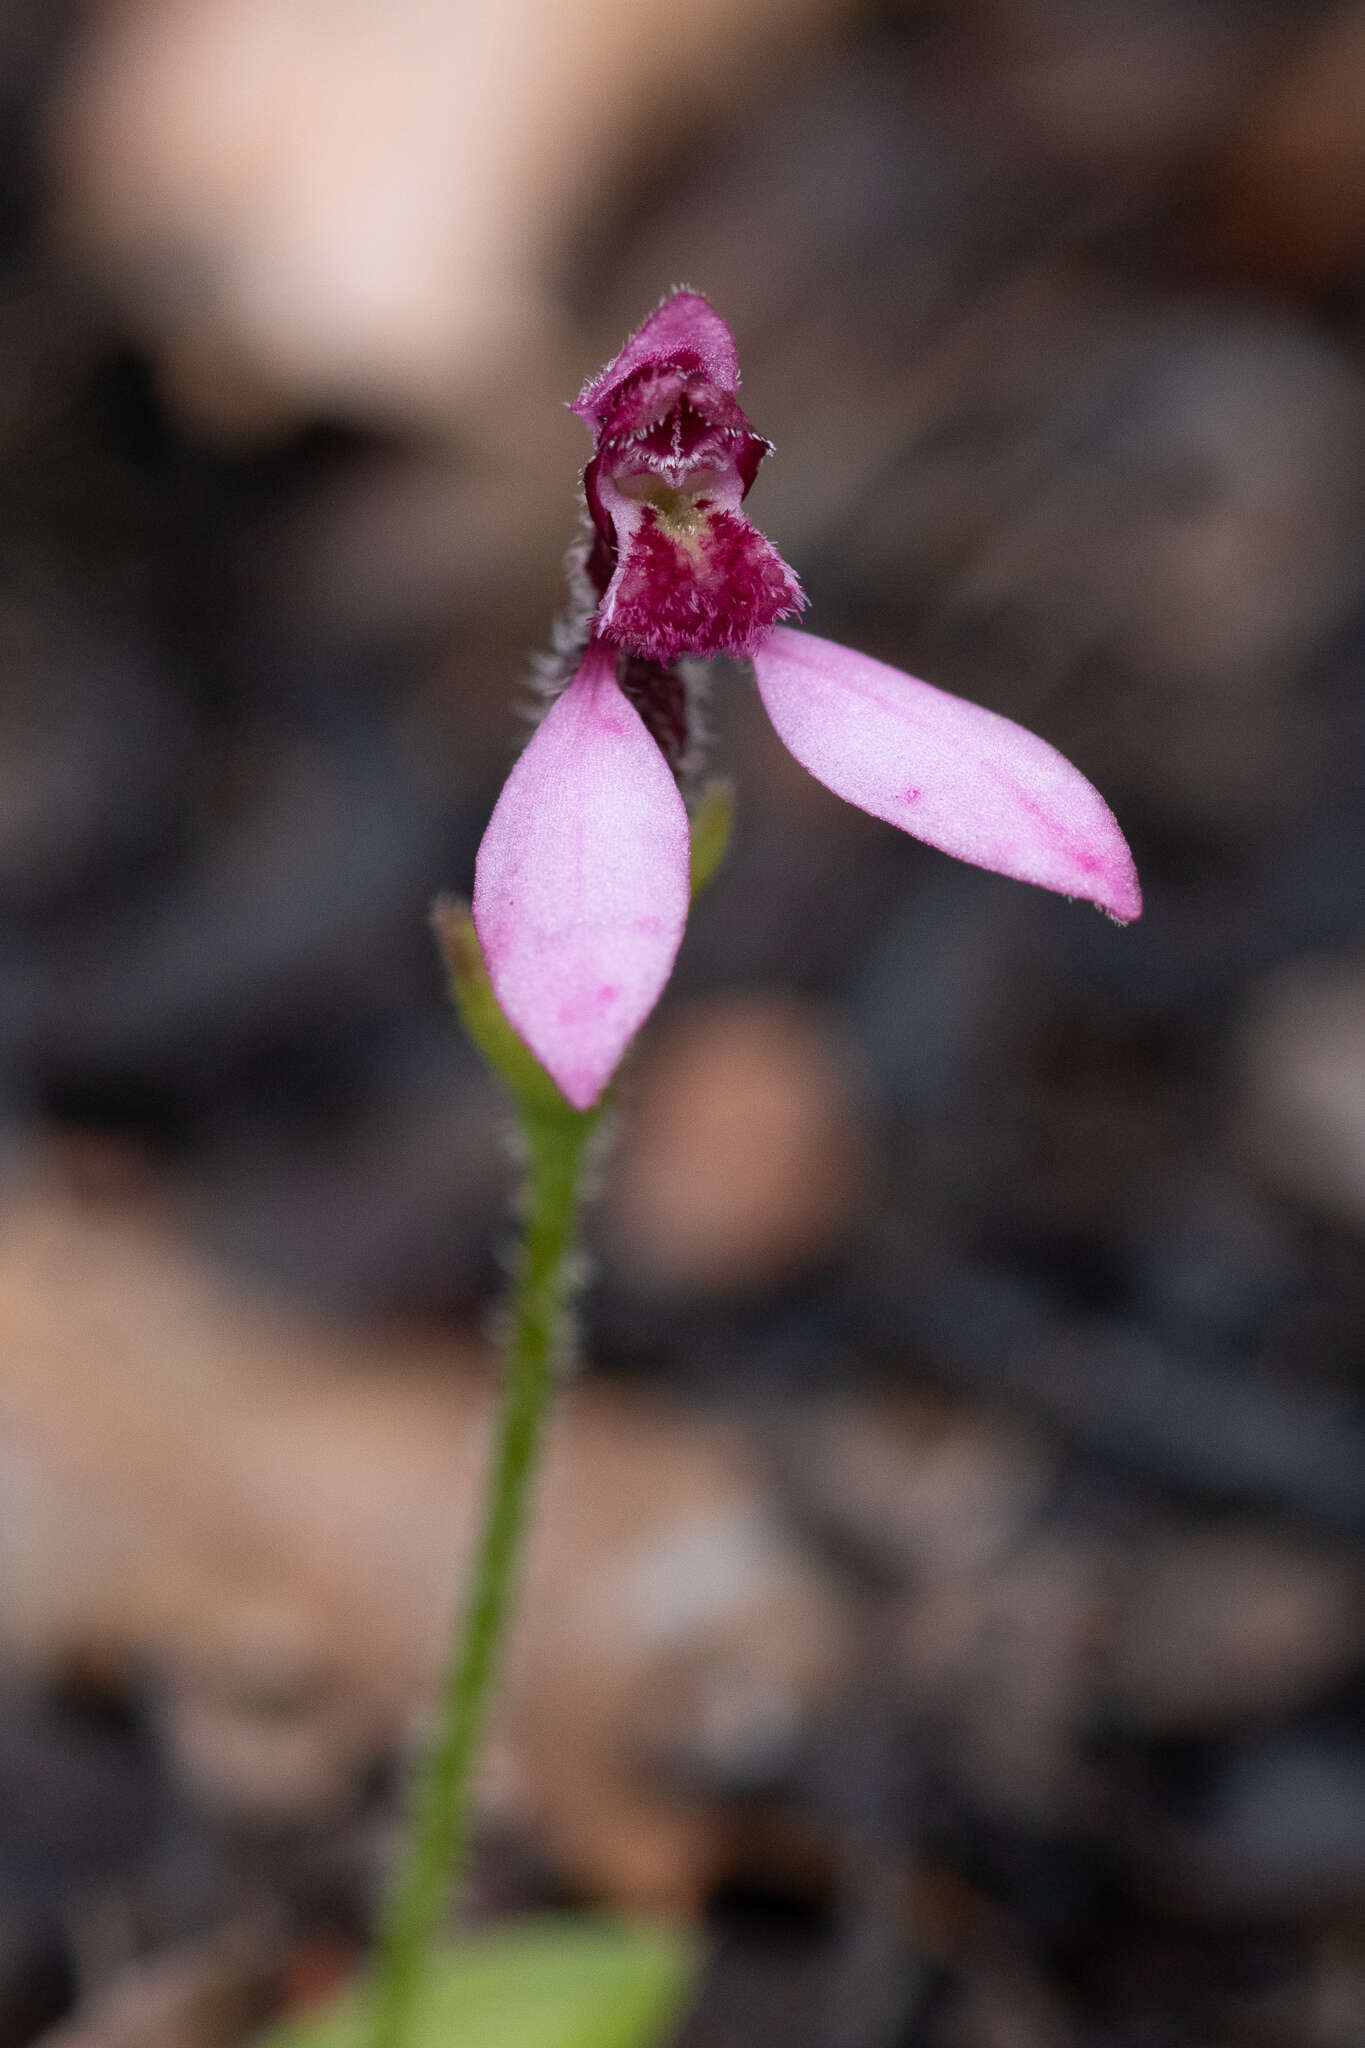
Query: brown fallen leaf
{"x": 212, "y": 1993}
{"x": 276, "y": 1513}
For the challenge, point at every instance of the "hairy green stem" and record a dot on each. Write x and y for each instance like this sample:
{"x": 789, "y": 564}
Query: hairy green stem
{"x": 556, "y": 1140}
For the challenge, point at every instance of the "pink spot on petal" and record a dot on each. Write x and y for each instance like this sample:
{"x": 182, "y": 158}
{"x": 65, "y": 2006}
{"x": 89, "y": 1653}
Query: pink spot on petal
{"x": 585, "y": 1004}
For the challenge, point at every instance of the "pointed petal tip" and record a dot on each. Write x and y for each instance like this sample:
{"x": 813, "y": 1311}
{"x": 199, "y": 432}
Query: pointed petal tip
{"x": 1097, "y": 848}
{"x": 1098, "y": 851}
{"x": 1124, "y": 903}
{"x": 582, "y": 1087}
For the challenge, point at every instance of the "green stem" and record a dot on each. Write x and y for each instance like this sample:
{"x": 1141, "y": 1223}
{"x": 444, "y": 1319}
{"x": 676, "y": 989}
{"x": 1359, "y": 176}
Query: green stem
{"x": 556, "y": 1142}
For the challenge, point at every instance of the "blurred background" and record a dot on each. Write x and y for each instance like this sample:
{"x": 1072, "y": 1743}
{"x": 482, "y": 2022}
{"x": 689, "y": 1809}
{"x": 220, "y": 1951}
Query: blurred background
{"x": 949, "y": 1588}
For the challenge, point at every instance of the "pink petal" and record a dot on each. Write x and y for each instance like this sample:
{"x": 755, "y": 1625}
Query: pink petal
{"x": 952, "y": 773}
{"x": 685, "y": 332}
{"x": 581, "y": 886}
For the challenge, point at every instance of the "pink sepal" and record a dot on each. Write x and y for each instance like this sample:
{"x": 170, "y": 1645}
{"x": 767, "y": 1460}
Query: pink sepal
{"x": 949, "y": 772}
{"x": 581, "y": 885}
{"x": 685, "y": 333}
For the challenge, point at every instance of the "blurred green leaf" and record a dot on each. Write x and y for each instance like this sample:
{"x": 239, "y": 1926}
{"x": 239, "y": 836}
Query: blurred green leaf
{"x": 482, "y": 1017}
{"x": 562, "y": 1983}
{"x": 711, "y": 823}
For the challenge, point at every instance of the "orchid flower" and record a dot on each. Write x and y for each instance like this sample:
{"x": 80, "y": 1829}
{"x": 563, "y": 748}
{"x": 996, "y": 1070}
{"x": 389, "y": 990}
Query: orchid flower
{"x": 581, "y": 890}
